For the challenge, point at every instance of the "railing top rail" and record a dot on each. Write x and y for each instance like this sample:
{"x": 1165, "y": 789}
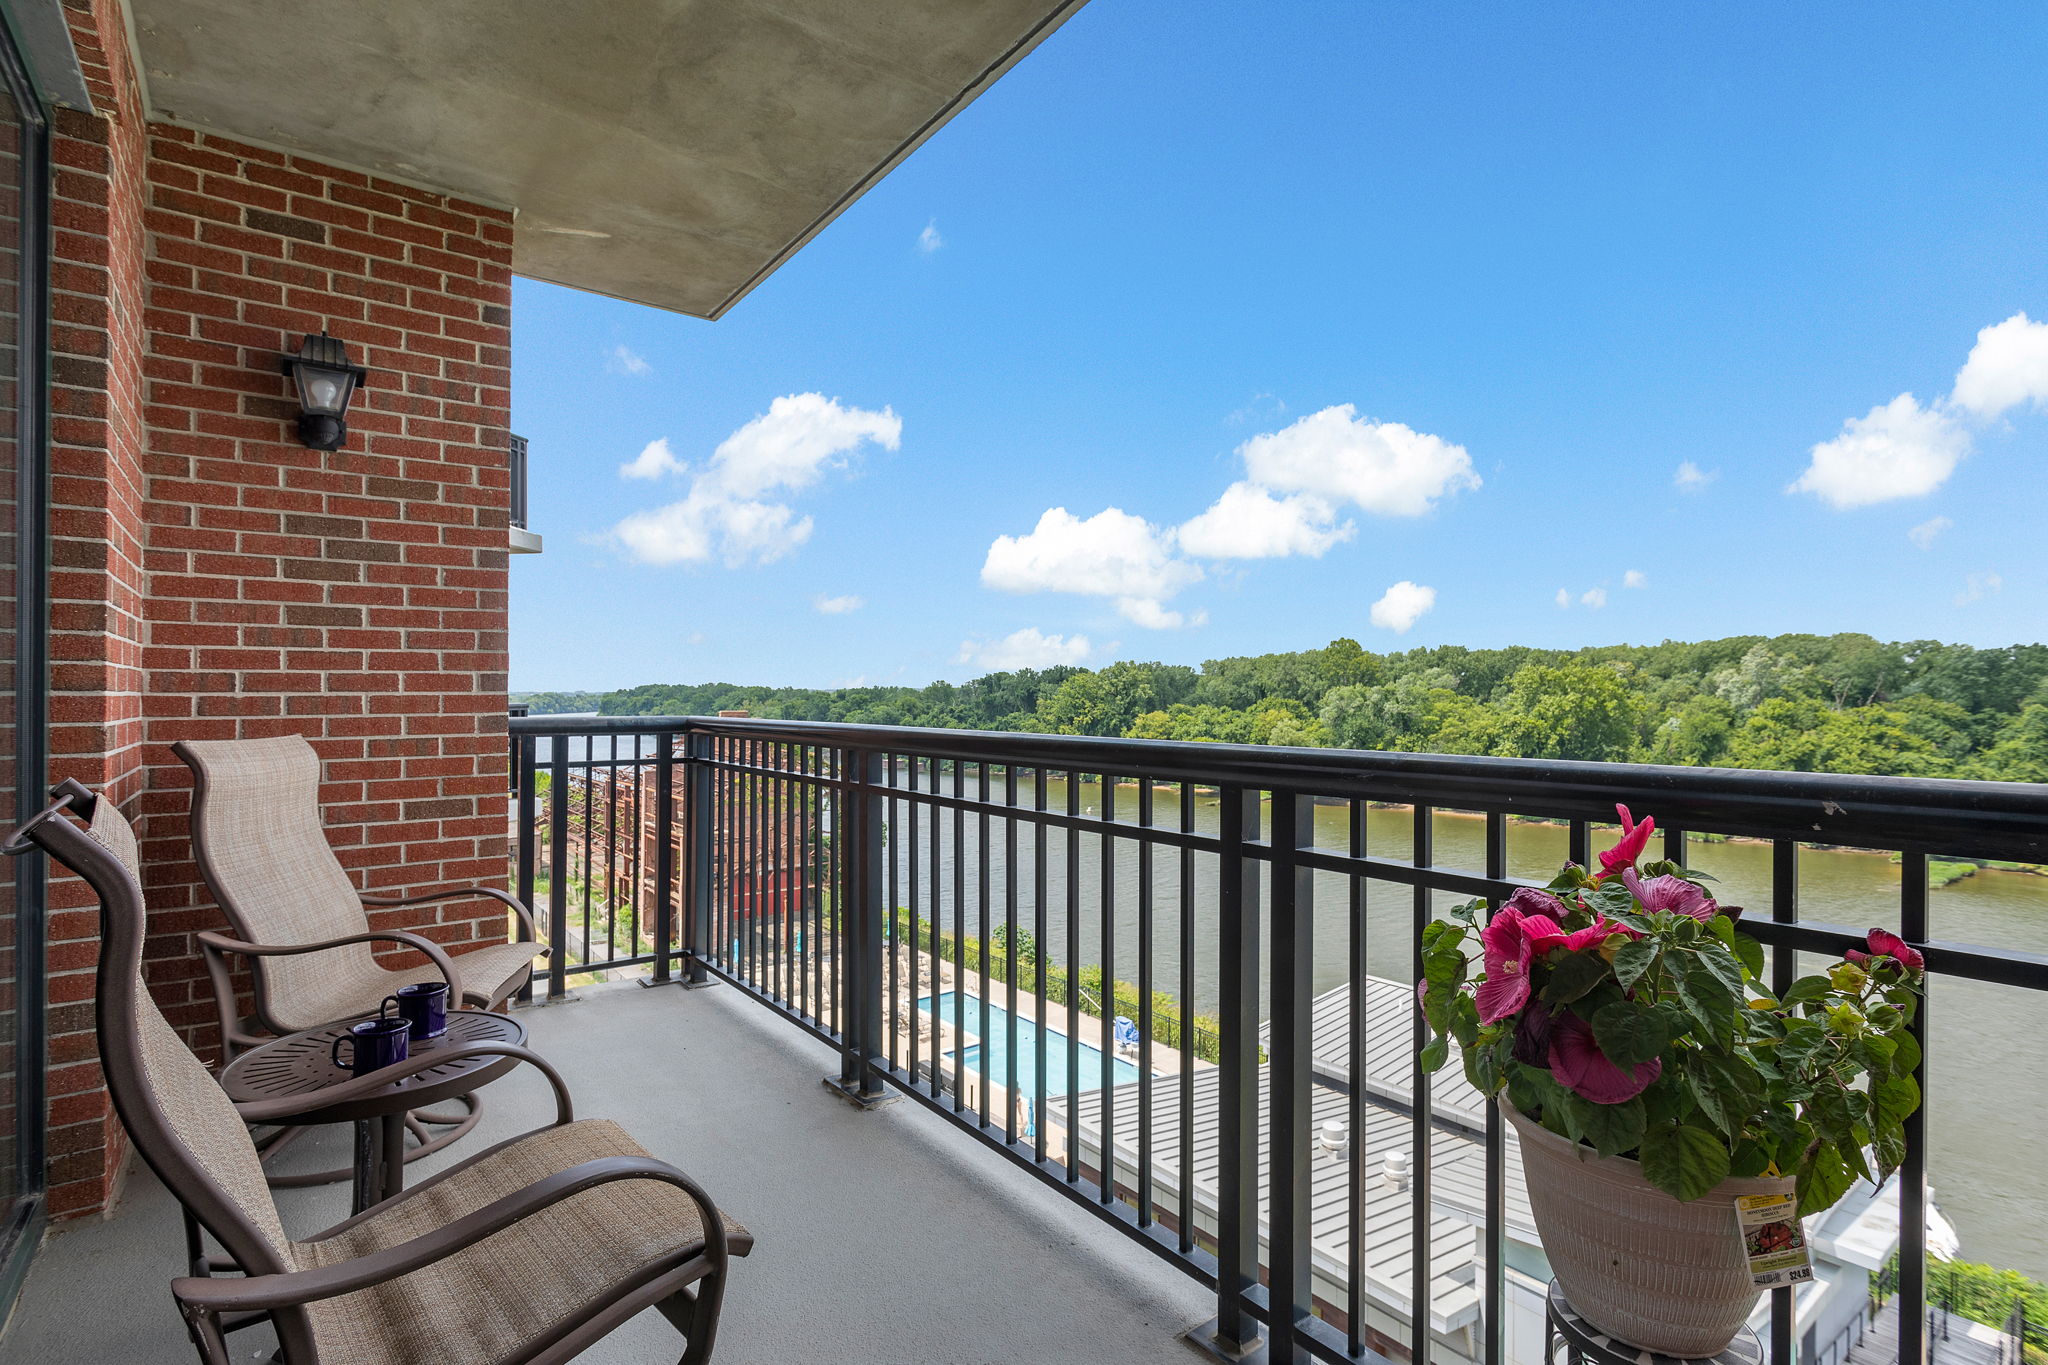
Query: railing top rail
{"x": 1934, "y": 815}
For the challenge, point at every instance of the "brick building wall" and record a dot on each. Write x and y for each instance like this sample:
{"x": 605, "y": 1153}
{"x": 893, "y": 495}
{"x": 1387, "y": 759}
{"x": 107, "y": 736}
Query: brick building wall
{"x": 213, "y": 578}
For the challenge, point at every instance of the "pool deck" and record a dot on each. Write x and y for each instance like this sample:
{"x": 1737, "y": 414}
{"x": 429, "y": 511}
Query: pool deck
{"x": 887, "y": 1236}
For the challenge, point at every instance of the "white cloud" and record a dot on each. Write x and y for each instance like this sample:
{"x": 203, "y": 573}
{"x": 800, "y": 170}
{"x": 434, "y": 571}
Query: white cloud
{"x": 1923, "y": 535}
{"x": 1595, "y": 598}
{"x": 1111, "y": 554}
{"x": 1978, "y": 587}
{"x": 790, "y": 447}
{"x": 1383, "y": 467}
{"x": 1146, "y": 612}
{"x": 1564, "y": 599}
{"x": 1026, "y": 648}
{"x": 654, "y": 460}
{"x": 1900, "y": 450}
{"x": 929, "y": 240}
{"x": 1635, "y": 578}
{"x": 1402, "y": 605}
{"x": 838, "y": 606}
{"x": 1248, "y": 522}
{"x": 621, "y": 360}
{"x": 800, "y": 437}
{"x": 2007, "y": 367}
{"x": 1690, "y": 478}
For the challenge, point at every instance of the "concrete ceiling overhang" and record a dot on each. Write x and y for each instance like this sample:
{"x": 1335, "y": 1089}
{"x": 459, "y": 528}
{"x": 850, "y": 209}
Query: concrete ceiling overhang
{"x": 671, "y": 152}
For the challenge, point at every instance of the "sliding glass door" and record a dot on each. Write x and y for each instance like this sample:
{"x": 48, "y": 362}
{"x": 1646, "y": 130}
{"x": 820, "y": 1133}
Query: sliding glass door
{"x": 24, "y": 201}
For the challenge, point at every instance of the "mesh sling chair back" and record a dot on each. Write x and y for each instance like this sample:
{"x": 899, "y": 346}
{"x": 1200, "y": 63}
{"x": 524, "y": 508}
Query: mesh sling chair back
{"x": 528, "y": 1252}
{"x": 298, "y": 919}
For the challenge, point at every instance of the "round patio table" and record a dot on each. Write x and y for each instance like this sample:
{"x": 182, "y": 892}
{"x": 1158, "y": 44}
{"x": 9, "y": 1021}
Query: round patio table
{"x": 301, "y": 1065}
{"x": 1585, "y": 1344}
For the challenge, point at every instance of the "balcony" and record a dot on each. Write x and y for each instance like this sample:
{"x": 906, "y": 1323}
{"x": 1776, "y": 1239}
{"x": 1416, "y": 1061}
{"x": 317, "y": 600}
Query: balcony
{"x": 1148, "y": 1011}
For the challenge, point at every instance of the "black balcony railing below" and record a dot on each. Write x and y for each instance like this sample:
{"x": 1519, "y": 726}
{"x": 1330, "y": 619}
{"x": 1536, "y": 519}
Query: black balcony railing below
{"x": 1174, "y": 981}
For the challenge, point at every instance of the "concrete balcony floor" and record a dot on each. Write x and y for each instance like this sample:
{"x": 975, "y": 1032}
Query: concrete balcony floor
{"x": 885, "y": 1236}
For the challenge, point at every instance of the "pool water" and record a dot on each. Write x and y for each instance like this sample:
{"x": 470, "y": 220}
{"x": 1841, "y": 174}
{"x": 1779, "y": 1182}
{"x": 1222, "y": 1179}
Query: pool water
{"x": 994, "y": 1050}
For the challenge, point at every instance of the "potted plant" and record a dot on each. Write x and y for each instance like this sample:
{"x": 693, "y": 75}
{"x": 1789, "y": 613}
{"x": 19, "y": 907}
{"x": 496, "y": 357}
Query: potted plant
{"x": 1622, "y": 1020}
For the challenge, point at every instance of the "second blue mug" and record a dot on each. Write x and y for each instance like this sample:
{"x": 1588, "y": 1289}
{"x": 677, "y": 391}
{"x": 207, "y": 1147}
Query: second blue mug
{"x": 373, "y": 1045}
{"x": 424, "y": 1007}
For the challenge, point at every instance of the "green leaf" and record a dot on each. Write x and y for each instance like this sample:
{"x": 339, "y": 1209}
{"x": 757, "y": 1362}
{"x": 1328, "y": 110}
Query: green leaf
{"x": 1683, "y": 1161}
{"x": 1907, "y": 1059}
{"x": 1612, "y": 1128}
{"x": 1706, "y": 999}
{"x": 1436, "y": 1054}
{"x": 1892, "y": 1099}
{"x": 1807, "y": 988}
{"x": 1709, "y": 1098}
{"x": 1573, "y": 976}
{"x": 1875, "y": 1051}
{"x": 1633, "y": 959}
{"x": 1750, "y": 1159}
{"x": 1751, "y": 954}
{"x": 1464, "y": 1020}
{"x": 1628, "y": 1034}
{"x": 1822, "y": 1179}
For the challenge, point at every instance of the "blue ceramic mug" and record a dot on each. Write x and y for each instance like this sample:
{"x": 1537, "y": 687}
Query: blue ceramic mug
{"x": 373, "y": 1045}
{"x": 424, "y": 1007}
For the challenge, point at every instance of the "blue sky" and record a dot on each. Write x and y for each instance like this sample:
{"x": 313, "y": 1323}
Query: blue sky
{"x": 1449, "y": 295}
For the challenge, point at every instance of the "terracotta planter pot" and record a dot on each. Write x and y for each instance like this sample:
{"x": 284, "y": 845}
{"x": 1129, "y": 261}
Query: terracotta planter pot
{"x": 1643, "y": 1267}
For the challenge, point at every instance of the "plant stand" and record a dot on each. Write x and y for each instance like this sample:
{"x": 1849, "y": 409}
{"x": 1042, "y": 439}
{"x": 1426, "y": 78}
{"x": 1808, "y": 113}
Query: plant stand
{"x": 1585, "y": 1344}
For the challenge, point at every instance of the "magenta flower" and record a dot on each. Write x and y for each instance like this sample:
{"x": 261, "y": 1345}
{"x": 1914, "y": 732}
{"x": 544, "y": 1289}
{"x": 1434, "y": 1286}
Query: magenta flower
{"x": 1578, "y": 1063}
{"x": 1508, "y": 941}
{"x": 1884, "y": 943}
{"x": 1634, "y": 838}
{"x": 1671, "y": 893}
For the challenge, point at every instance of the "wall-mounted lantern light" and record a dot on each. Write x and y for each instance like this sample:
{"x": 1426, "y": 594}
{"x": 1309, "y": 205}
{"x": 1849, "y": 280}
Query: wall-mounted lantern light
{"x": 326, "y": 381}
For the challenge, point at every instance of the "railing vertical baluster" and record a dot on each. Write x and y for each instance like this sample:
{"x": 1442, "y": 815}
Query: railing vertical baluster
{"x": 936, "y": 852}
{"x": 1784, "y": 971}
{"x": 1290, "y": 1194}
{"x": 697, "y": 811}
{"x": 1073, "y": 881}
{"x": 920, "y": 956}
{"x": 1144, "y": 1010}
{"x": 1011, "y": 959}
{"x": 528, "y": 836}
{"x": 1038, "y": 964}
{"x": 987, "y": 934}
{"x": 1493, "y": 1230}
{"x": 1184, "y": 1204}
{"x": 558, "y": 867}
{"x": 1581, "y": 841}
{"x": 1237, "y": 1200}
{"x": 664, "y": 853}
{"x": 1421, "y": 1252}
{"x": 1361, "y": 974}
{"x": 1913, "y": 1174}
{"x": 891, "y": 932}
{"x": 959, "y": 937}
{"x": 1106, "y": 865}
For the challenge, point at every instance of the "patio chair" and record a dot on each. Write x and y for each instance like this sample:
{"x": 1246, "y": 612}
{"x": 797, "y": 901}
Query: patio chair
{"x": 297, "y": 917}
{"x": 530, "y": 1251}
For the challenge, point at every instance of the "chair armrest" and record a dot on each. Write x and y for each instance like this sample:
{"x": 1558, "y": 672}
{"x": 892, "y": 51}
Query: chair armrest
{"x": 370, "y": 1082}
{"x": 517, "y": 906}
{"x": 220, "y": 943}
{"x": 294, "y": 1288}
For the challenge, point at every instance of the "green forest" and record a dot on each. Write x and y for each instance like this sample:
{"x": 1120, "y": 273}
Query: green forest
{"x": 1794, "y": 703}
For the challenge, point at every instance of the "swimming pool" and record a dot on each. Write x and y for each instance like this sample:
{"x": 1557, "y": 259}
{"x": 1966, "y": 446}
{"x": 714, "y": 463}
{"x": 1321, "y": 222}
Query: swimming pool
{"x": 994, "y": 1047}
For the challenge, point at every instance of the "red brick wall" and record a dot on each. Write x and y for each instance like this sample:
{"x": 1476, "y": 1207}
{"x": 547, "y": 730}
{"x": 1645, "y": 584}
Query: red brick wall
{"x": 217, "y": 579}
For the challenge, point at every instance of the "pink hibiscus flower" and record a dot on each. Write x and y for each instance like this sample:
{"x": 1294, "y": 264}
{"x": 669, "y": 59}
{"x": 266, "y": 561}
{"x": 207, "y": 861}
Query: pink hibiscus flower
{"x": 1508, "y": 942}
{"x": 1577, "y": 1062}
{"x": 1671, "y": 893}
{"x": 1884, "y": 943}
{"x": 1634, "y": 838}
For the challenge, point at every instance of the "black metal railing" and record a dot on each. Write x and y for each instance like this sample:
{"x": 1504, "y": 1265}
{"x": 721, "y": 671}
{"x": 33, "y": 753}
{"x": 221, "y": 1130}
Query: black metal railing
{"x": 516, "y": 463}
{"x": 1174, "y": 981}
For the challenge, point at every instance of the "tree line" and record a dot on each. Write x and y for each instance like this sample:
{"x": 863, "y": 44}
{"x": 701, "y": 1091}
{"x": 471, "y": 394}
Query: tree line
{"x": 1794, "y": 703}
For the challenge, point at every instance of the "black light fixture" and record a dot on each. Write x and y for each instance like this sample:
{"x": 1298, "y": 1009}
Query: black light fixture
{"x": 326, "y": 381}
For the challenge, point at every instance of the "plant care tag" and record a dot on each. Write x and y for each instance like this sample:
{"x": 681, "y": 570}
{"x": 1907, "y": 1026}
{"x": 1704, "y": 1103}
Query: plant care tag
{"x": 1774, "y": 1239}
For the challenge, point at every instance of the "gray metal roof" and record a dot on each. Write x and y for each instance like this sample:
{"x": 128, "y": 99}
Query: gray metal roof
{"x": 1457, "y": 1162}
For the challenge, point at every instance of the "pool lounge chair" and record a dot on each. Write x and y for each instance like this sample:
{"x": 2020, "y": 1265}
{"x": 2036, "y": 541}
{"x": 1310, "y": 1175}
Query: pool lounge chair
{"x": 466, "y": 1267}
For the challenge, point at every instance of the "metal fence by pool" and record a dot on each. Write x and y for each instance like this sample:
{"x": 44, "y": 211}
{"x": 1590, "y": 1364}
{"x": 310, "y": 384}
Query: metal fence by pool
{"x": 1278, "y": 1141}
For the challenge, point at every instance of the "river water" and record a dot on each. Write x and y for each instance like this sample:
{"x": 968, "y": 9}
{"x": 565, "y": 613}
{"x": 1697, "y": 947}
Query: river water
{"x": 1988, "y": 1045}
